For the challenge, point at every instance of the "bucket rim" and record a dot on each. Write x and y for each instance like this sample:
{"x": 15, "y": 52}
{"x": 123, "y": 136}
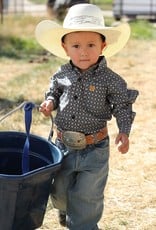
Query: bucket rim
{"x": 54, "y": 165}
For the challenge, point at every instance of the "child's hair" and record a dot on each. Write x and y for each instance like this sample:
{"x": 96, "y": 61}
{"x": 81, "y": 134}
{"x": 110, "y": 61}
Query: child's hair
{"x": 102, "y": 37}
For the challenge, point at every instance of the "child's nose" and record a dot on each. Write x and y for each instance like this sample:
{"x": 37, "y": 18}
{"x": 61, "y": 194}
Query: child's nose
{"x": 84, "y": 52}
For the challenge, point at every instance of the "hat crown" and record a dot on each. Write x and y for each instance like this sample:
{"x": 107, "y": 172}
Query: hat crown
{"x": 83, "y": 16}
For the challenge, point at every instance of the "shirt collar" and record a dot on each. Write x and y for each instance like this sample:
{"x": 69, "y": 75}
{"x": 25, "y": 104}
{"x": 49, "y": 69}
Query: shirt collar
{"x": 100, "y": 63}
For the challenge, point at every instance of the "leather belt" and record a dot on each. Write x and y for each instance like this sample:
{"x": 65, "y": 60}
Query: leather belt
{"x": 89, "y": 139}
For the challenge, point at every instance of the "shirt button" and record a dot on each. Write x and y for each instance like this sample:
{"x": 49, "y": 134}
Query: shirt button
{"x": 75, "y": 97}
{"x": 73, "y": 116}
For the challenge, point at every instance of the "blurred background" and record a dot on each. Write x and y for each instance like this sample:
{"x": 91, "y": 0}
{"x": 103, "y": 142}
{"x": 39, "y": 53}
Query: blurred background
{"x": 25, "y": 71}
{"x": 58, "y": 8}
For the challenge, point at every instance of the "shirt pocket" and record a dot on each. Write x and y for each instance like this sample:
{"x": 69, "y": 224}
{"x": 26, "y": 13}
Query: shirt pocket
{"x": 95, "y": 100}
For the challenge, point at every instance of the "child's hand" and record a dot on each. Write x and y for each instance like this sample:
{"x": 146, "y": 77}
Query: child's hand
{"x": 123, "y": 139}
{"x": 46, "y": 107}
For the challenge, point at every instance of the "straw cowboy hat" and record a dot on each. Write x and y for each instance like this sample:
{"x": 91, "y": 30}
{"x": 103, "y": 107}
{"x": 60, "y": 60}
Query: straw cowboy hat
{"x": 81, "y": 17}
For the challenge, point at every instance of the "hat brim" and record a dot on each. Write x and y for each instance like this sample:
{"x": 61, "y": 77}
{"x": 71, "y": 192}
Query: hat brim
{"x": 49, "y": 34}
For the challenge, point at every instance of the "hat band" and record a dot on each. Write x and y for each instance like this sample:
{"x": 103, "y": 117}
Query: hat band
{"x": 81, "y": 21}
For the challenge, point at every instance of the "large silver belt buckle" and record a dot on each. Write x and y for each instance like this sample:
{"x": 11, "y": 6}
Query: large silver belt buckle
{"x": 74, "y": 140}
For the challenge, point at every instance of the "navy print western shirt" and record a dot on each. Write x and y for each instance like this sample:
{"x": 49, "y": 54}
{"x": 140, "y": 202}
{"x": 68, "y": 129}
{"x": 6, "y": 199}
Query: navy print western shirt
{"x": 85, "y": 101}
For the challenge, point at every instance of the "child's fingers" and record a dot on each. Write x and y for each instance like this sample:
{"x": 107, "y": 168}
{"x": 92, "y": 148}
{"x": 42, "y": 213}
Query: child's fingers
{"x": 124, "y": 143}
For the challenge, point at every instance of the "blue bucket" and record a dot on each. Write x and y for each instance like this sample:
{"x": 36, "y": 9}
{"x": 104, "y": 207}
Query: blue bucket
{"x": 24, "y": 196}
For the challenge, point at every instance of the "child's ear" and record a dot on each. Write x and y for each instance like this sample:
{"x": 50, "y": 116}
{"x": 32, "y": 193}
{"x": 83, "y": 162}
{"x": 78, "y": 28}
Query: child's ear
{"x": 64, "y": 47}
{"x": 103, "y": 46}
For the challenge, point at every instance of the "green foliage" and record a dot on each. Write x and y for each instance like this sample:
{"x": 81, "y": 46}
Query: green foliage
{"x": 39, "y": 1}
{"x": 143, "y": 29}
{"x": 101, "y": 2}
{"x": 16, "y": 47}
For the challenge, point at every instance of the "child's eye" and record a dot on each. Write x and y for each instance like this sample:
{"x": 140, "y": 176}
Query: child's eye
{"x": 91, "y": 45}
{"x": 76, "y": 46}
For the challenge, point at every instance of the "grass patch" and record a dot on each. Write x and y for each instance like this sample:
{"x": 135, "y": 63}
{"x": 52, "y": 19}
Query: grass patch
{"x": 38, "y": 1}
{"x": 19, "y": 41}
{"x": 123, "y": 223}
{"x": 16, "y": 47}
{"x": 105, "y": 5}
{"x": 142, "y": 29}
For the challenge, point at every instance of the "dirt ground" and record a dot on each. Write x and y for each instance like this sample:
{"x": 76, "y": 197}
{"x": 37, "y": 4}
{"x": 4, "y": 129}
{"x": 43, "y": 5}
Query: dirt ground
{"x": 130, "y": 195}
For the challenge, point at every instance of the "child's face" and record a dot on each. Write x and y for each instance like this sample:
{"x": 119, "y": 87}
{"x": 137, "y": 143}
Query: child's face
{"x": 83, "y": 48}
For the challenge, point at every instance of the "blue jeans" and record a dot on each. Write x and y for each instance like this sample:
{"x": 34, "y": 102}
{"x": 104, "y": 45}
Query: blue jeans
{"x": 78, "y": 188}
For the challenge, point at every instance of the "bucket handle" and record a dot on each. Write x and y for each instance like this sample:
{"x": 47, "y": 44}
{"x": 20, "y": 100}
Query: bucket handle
{"x": 28, "y": 119}
{"x": 28, "y": 107}
{"x": 36, "y": 106}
